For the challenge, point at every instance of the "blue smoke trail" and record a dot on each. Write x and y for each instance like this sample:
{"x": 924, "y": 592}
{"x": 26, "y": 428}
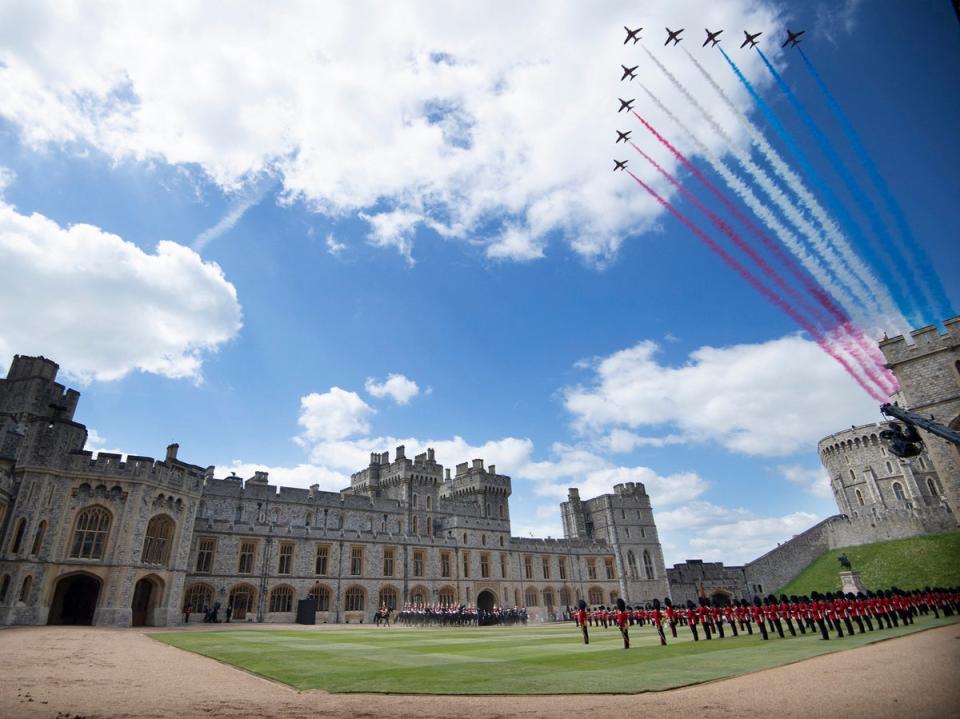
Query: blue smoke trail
{"x": 926, "y": 276}
{"x": 903, "y": 295}
{"x": 851, "y": 227}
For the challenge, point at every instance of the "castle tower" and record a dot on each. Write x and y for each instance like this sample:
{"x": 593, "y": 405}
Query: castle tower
{"x": 929, "y": 374}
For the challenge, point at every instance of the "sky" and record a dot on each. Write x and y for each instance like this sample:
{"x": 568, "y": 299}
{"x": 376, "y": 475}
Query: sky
{"x": 285, "y": 239}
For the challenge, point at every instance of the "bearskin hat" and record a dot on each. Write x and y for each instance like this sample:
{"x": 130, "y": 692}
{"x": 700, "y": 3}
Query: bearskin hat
{"x": 667, "y": 602}
{"x": 656, "y": 603}
{"x": 581, "y": 604}
{"x": 621, "y": 605}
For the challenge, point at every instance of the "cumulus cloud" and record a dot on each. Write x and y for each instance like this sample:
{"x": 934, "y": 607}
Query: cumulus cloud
{"x": 301, "y": 475}
{"x": 334, "y": 247}
{"x": 498, "y": 111}
{"x": 333, "y": 415}
{"x": 102, "y": 307}
{"x": 402, "y": 389}
{"x": 814, "y": 481}
{"x": 7, "y": 176}
{"x": 771, "y": 398}
{"x": 746, "y": 539}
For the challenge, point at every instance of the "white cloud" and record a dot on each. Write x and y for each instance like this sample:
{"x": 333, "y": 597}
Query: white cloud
{"x": 102, "y": 307}
{"x": 7, "y": 176}
{"x": 96, "y": 444}
{"x": 301, "y": 475}
{"x": 813, "y": 481}
{"x": 400, "y": 388}
{"x": 333, "y": 415}
{"x": 771, "y": 398}
{"x": 746, "y": 539}
{"x": 334, "y": 247}
{"x": 836, "y": 19}
{"x": 499, "y": 110}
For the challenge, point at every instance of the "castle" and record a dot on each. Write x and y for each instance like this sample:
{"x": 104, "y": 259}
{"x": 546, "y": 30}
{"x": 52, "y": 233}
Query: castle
{"x": 879, "y": 496}
{"x": 111, "y": 541}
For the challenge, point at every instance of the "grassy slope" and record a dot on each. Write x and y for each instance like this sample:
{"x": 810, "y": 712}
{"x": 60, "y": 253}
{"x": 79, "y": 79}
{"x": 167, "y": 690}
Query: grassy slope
{"x": 933, "y": 560}
{"x": 539, "y": 659}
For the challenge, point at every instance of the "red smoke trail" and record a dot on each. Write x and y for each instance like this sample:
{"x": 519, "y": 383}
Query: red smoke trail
{"x": 886, "y": 384}
{"x": 758, "y": 286}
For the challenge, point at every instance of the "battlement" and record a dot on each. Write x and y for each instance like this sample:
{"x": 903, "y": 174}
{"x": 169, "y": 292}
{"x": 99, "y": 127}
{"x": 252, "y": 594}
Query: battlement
{"x": 24, "y": 367}
{"x": 630, "y": 489}
{"x": 853, "y": 437}
{"x": 44, "y": 397}
{"x": 922, "y": 341}
{"x": 585, "y": 546}
{"x": 474, "y": 479}
{"x": 175, "y": 474}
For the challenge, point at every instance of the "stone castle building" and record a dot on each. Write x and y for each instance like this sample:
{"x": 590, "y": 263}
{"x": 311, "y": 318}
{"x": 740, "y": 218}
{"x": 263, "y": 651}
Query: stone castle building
{"x": 111, "y": 541}
{"x": 879, "y": 496}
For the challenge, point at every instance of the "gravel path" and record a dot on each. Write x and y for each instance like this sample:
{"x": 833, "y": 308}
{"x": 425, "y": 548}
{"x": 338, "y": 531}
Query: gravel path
{"x": 80, "y": 671}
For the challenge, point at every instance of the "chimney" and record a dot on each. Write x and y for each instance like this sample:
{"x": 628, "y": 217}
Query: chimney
{"x": 493, "y": 469}
{"x": 430, "y": 455}
{"x": 172, "y": 451}
{"x": 401, "y": 452}
{"x": 478, "y": 464}
{"x": 447, "y": 475}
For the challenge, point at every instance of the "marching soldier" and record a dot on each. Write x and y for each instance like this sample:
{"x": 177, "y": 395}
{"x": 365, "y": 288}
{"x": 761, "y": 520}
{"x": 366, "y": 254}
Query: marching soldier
{"x": 658, "y": 620}
{"x": 671, "y": 616}
{"x": 621, "y": 618}
{"x": 582, "y": 620}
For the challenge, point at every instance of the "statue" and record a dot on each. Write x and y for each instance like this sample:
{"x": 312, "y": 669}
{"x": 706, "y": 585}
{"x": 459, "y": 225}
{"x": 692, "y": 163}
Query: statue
{"x": 844, "y": 562}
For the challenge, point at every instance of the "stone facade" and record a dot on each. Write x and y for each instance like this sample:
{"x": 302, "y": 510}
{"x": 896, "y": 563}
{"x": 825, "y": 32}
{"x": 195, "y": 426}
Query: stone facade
{"x": 114, "y": 541}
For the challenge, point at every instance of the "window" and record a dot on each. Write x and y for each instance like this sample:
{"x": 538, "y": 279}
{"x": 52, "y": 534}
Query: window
{"x": 464, "y": 537}
{"x": 205, "y": 547}
{"x": 445, "y": 564}
{"x": 198, "y": 596}
{"x": 530, "y": 596}
{"x": 38, "y": 537}
{"x": 356, "y": 561}
{"x": 632, "y": 565}
{"x": 516, "y": 597}
{"x": 446, "y": 597}
{"x": 563, "y": 567}
{"x": 466, "y": 565}
{"x": 3, "y": 512}
{"x": 545, "y": 566}
{"x": 25, "y": 588}
{"x": 643, "y": 533}
{"x": 608, "y": 566}
{"x": 923, "y": 465}
{"x": 595, "y": 596}
{"x": 859, "y": 497}
{"x": 418, "y": 562}
{"x": 247, "y": 552}
{"x": 355, "y": 599}
{"x": 416, "y": 525}
{"x": 321, "y": 595}
{"x": 626, "y": 531}
{"x": 286, "y": 559}
{"x": 90, "y": 534}
{"x": 388, "y": 562}
{"x": 483, "y": 539}
{"x": 281, "y": 599}
{"x": 4, "y": 587}
{"x": 429, "y": 503}
{"x": 898, "y": 490}
{"x": 485, "y": 565}
{"x": 889, "y": 469}
{"x": 528, "y": 568}
{"x": 323, "y": 554}
{"x": 647, "y": 565}
{"x": 156, "y": 545}
{"x": 241, "y": 600}
{"x": 503, "y": 566}
{"x": 565, "y": 597}
{"x": 418, "y": 596}
{"x": 591, "y": 568}
{"x": 932, "y": 486}
{"x": 388, "y": 598}
{"x": 486, "y": 509}
{"x": 18, "y": 535}
{"x": 501, "y": 511}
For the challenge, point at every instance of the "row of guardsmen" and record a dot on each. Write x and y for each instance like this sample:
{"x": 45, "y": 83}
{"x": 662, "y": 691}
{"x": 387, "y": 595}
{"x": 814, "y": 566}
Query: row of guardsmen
{"x": 819, "y": 612}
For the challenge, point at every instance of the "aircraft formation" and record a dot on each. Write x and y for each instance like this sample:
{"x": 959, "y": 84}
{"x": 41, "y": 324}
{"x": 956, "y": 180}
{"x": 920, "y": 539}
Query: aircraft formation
{"x": 674, "y": 36}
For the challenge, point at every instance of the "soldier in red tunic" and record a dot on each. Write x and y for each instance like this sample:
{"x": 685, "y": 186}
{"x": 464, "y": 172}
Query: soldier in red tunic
{"x": 582, "y": 620}
{"x": 692, "y": 620}
{"x": 671, "y": 616}
{"x": 657, "y": 619}
{"x": 756, "y": 612}
{"x": 621, "y": 619}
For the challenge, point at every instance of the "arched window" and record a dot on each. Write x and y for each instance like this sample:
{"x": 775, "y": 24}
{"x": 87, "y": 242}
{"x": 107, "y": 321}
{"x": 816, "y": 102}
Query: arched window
{"x": 355, "y": 599}
{"x": 156, "y": 545}
{"x": 446, "y": 597}
{"x": 530, "y": 596}
{"x": 501, "y": 511}
{"x": 419, "y": 596}
{"x": 859, "y": 497}
{"x": 923, "y": 465}
{"x": 18, "y": 535}
{"x": 632, "y": 565}
{"x": 90, "y": 534}
{"x": 932, "y": 486}
{"x": 889, "y": 468}
{"x": 898, "y": 490}
{"x": 241, "y": 600}
{"x": 4, "y": 587}
{"x": 321, "y": 594}
{"x": 25, "y": 588}
{"x": 281, "y": 599}
{"x": 565, "y": 597}
{"x": 416, "y": 524}
{"x": 388, "y": 598}
{"x": 595, "y": 596}
{"x": 198, "y": 596}
{"x": 647, "y": 565}
{"x": 853, "y": 475}
{"x": 548, "y": 599}
{"x": 38, "y": 537}
{"x": 429, "y": 503}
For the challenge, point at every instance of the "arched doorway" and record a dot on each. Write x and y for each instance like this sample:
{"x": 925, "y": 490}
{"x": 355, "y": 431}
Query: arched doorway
{"x": 486, "y": 600}
{"x": 146, "y": 596}
{"x": 720, "y": 598}
{"x": 75, "y": 600}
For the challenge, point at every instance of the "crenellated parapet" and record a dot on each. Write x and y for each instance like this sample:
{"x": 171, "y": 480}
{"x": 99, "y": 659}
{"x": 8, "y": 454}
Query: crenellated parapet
{"x": 921, "y": 342}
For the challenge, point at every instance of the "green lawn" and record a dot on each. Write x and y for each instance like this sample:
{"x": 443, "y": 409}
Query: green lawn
{"x": 538, "y": 659}
{"x": 933, "y": 560}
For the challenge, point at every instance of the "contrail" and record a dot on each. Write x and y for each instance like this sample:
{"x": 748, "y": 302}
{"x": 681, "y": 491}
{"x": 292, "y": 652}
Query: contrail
{"x": 884, "y": 264}
{"x": 855, "y": 342}
{"x": 853, "y": 284}
{"x": 855, "y": 264}
{"x": 924, "y": 276}
{"x": 758, "y": 285}
{"x": 232, "y": 217}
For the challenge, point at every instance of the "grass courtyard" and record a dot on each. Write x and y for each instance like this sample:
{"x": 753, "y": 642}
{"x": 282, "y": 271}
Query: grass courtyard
{"x": 537, "y": 659}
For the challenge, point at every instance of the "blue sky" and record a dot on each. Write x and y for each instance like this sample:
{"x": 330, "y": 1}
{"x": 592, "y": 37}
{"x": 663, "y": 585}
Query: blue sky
{"x": 286, "y": 242}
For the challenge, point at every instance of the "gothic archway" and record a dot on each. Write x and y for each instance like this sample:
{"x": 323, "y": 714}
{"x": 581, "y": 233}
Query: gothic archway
{"x": 75, "y": 599}
{"x": 486, "y": 600}
{"x": 146, "y": 598}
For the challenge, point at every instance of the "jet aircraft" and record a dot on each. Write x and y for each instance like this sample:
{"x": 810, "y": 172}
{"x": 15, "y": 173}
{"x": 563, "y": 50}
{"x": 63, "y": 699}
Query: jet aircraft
{"x": 751, "y": 39}
{"x": 712, "y": 38}
{"x": 630, "y": 72}
{"x": 620, "y": 165}
{"x": 673, "y": 35}
{"x": 632, "y": 35}
{"x": 623, "y": 136}
{"x": 793, "y": 38}
{"x": 625, "y": 104}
